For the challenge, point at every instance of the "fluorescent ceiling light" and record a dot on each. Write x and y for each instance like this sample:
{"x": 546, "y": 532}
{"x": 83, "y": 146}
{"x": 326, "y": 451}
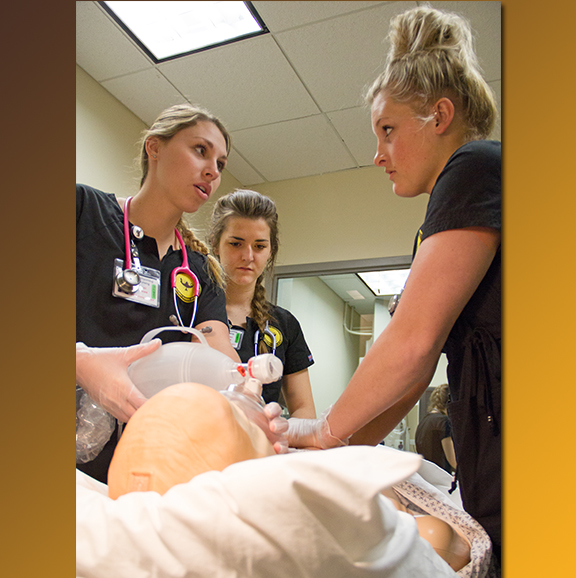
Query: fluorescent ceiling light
{"x": 167, "y": 30}
{"x": 385, "y": 282}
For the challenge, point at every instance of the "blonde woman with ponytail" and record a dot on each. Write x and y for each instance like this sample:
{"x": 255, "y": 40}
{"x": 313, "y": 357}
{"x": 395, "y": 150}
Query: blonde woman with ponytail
{"x": 182, "y": 158}
{"x": 432, "y": 112}
{"x": 243, "y": 234}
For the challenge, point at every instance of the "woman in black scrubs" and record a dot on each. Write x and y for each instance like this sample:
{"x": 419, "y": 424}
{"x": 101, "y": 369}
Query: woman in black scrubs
{"x": 431, "y": 113}
{"x": 243, "y": 235}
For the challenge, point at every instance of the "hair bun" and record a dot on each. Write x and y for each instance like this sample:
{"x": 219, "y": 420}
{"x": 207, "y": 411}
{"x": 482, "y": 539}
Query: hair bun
{"x": 423, "y": 31}
{"x": 431, "y": 56}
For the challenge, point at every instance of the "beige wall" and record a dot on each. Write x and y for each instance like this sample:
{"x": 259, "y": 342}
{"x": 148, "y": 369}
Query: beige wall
{"x": 106, "y": 139}
{"x": 343, "y": 216}
{"x": 334, "y": 217}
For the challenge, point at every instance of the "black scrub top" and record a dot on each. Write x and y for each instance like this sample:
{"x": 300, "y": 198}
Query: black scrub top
{"x": 291, "y": 347}
{"x": 103, "y": 320}
{"x": 468, "y": 193}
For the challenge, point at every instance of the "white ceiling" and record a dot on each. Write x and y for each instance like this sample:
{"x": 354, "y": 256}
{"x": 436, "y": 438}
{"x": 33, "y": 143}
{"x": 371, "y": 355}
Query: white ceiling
{"x": 292, "y": 99}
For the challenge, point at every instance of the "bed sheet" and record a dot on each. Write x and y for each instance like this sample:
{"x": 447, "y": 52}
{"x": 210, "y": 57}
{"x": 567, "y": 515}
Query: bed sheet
{"x": 428, "y": 492}
{"x": 310, "y": 515}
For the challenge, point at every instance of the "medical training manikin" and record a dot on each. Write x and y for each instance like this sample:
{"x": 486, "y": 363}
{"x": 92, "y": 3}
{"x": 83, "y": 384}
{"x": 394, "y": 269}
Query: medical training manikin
{"x": 182, "y": 431}
{"x": 173, "y": 363}
{"x": 186, "y": 429}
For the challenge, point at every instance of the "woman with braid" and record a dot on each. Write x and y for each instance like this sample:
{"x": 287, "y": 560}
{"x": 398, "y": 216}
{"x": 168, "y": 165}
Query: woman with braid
{"x": 243, "y": 235}
{"x": 182, "y": 158}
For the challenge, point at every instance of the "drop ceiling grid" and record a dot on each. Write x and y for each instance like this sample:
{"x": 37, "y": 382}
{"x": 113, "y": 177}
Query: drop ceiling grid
{"x": 354, "y": 126}
{"x": 158, "y": 93}
{"x": 292, "y": 99}
{"x": 337, "y": 76}
{"x": 103, "y": 49}
{"x": 248, "y": 83}
{"x": 280, "y": 16}
{"x": 295, "y": 148}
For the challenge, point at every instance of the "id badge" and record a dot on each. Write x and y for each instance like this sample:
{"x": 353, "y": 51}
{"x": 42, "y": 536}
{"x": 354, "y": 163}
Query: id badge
{"x": 236, "y": 336}
{"x": 148, "y": 292}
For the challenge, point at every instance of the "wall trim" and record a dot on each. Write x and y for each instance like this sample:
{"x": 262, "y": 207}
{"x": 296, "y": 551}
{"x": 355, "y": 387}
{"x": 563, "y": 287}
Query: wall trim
{"x": 336, "y": 267}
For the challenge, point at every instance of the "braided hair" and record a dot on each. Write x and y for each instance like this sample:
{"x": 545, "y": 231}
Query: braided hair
{"x": 439, "y": 398}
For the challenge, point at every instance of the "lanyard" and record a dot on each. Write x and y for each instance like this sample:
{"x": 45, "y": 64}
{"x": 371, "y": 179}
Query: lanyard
{"x": 129, "y": 279}
{"x": 267, "y": 332}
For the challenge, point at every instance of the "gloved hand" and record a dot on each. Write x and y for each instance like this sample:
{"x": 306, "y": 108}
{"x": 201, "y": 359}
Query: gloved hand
{"x": 267, "y": 418}
{"x": 102, "y": 372}
{"x": 312, "y": 433}
{"x": 278, "y": 425}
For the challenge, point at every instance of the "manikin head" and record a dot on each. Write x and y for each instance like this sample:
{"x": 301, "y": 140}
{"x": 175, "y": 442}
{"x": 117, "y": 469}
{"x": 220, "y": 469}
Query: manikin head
{"x": 180, "y": 432}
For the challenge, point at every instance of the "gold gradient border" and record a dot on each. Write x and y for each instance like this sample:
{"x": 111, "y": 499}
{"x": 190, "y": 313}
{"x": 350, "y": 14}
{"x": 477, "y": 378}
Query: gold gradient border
{"x": 539, "y": 319}
{"x": 39, "y": 278}
{"x": 38, "y": 301}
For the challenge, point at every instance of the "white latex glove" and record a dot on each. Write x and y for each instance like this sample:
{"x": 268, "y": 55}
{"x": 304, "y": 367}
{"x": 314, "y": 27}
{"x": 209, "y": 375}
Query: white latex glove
{"x": 102, "y": 372}
{"x": 278, "y": 425}
{"x": 312, "y": 433}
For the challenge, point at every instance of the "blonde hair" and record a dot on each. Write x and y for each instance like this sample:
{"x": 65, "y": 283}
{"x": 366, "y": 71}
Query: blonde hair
{"x": 249, "y": 205}
{"x": 432, "y": 56}
{"x": 170, "y": 122}
{"x": 439, "y": 398}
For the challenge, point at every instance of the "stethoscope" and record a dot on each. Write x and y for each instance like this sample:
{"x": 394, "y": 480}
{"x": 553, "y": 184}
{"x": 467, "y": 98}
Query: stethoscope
{"x": 267, "y": 332}
{"x": 129, "y": 278}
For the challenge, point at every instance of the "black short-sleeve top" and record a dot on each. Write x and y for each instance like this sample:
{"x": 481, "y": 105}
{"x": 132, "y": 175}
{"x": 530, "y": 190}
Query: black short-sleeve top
{"x": 468, "y": 193}
{"x": 103, "y": 320}
{"x": 291, "y": 347}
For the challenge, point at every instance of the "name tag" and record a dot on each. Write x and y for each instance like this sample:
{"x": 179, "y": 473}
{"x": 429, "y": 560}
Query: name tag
{"x": 149, "y": 290}
{"x": 236, "y": 336}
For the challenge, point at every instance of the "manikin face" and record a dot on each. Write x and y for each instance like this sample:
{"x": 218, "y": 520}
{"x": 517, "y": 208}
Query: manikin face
{"x": 188, "y": 167}
{"x": 406, "y": 147}
{"x": 244, "y": 249}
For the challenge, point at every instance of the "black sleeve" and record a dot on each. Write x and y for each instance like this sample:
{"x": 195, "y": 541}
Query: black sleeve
{"x": 468, "y": 191}
{"x": 80, "y": 191}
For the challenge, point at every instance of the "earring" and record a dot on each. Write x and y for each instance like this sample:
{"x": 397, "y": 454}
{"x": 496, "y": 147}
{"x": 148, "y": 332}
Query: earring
{"x": 154, "y": 156}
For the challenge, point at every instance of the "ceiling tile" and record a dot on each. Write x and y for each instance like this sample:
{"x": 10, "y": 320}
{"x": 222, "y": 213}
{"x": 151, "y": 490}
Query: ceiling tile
{"x": 284, "y": 15}
{"x": 354, "y": 126}
{"x": 102, "y": 49}
{"x": 337, "y": 58}
{"x": 293, "y": 149}
{"x": 270, "y": 90}
{"x": 242, "y": 171}
{"x": 160, "y": 94}
{"x": 247, "y": 83}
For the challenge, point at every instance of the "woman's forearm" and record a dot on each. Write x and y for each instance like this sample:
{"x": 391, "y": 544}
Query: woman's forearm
{"x": 384, "y": 388}
{"x": 298, "y": 394}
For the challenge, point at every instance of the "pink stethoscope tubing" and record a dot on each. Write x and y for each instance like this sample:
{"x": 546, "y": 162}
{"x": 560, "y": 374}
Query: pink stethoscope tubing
{"x": 184, "y": 268}
{"x": 187, "y": 271}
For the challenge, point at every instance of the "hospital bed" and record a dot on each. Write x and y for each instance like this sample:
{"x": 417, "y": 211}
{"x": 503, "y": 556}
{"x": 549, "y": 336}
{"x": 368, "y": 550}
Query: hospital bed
{"x": 313, "y": 514}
